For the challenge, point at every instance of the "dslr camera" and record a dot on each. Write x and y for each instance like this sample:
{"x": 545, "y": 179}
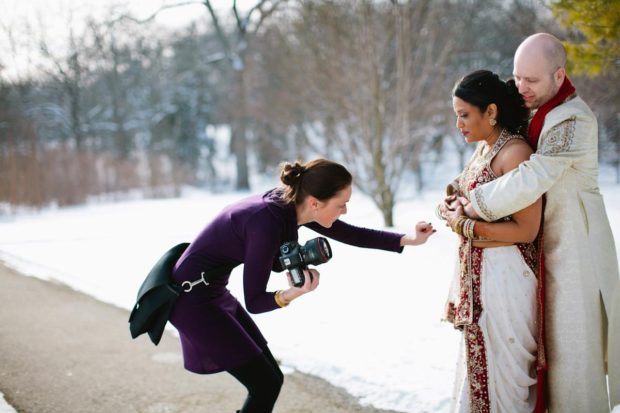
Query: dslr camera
{"x": 295, "y": 258}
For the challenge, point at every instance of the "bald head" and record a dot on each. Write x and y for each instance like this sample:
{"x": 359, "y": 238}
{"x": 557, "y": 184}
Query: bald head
{"x": 539, "y": 68}
{"x": 543, "y": 47}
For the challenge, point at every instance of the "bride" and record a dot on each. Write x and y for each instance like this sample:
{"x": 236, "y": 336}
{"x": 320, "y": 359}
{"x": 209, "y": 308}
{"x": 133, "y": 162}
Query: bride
{"x": 493, "y": 297}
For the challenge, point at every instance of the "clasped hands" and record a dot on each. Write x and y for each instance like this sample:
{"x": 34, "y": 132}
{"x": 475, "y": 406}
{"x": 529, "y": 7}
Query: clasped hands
{"x": 454, "y": 209}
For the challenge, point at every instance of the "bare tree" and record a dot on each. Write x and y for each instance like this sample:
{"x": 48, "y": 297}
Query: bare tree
{"x": 67, "y": 71}
{"x": 235, "y": 41}
{"x": 236, "y": 45}
{"x": 373, "y": 80}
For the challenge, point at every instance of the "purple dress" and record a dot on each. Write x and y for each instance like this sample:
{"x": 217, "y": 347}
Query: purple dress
{"x": 216, "y": 332}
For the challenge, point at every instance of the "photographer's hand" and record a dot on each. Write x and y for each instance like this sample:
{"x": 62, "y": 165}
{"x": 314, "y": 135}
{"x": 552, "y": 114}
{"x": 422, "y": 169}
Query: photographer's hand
{"x": 310, "y": 284}
{"x": 423, "y": 230}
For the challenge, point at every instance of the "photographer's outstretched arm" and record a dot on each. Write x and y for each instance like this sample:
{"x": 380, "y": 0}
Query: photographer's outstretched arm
{"x": 373, "y": 238}
{"x": 360, "y": 236}
{"x": 523, "y": 186}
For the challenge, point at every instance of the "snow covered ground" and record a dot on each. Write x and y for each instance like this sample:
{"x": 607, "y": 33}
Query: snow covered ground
{"x": 373, "y": 326}
{"x": 4, "y": 406}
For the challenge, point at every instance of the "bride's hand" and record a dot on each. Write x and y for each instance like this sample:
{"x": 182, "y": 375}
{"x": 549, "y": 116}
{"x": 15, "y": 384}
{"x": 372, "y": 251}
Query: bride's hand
{"x": 451, "y": 216}
{"x": 445, "y": 206}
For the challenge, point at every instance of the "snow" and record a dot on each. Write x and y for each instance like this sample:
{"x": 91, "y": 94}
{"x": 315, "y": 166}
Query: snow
{"x": 373, "y": 326}
{"x": 4, "y": 406}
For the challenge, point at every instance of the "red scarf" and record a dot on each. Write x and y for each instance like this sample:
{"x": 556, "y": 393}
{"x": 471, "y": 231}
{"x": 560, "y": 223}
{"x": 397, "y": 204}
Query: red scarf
{"x": 536, "y": 124}
{"x": 566, "y": 90}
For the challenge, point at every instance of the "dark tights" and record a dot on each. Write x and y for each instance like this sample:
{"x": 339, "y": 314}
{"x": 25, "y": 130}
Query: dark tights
{"x": 263, "y": 379}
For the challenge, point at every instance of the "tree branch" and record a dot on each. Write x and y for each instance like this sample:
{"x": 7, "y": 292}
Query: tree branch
{"x": 218, "y": 28}
{"x": 156, "y": 12}
{"x": 266, "y": 13}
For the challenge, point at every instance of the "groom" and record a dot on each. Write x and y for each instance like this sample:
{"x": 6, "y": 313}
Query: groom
{"x": 582, "y": 285}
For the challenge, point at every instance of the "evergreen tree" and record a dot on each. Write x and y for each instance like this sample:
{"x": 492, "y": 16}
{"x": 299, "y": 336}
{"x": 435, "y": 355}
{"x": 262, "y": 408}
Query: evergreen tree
{"x": 597, "y": 47}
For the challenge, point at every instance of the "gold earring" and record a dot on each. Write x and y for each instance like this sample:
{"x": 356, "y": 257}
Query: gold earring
{"x": 492, "y": 122}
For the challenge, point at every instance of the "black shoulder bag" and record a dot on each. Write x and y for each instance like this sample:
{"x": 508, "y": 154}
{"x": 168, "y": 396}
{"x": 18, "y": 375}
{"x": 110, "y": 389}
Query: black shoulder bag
{"x": 159, "y": 292}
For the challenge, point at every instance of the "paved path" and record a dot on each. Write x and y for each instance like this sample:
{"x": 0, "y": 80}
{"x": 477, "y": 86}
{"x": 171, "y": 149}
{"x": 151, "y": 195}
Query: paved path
{"x": 64, "y": 352}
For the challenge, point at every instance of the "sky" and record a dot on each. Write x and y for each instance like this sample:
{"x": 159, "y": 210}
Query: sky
{"x": 22, "y": 21}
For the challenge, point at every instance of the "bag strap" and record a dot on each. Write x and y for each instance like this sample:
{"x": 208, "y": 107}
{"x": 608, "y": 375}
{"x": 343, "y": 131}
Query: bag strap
{"x": 207, "y": 277}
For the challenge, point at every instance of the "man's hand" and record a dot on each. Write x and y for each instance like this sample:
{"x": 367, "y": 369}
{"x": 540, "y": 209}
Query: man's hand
{"x": 468, "y": 209}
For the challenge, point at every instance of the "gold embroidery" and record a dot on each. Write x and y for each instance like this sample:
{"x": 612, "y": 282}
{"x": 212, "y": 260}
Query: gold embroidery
{"x": 477, "y": 370}
{"x": 483, "y": 206}
{"x": 559, "y": 138}
{"x": 478, "y": 167}
{"x": 478, "y": 171}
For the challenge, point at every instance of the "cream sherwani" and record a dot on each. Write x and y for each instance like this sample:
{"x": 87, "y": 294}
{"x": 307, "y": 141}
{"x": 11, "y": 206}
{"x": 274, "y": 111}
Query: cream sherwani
{"x": 582, "y": 281}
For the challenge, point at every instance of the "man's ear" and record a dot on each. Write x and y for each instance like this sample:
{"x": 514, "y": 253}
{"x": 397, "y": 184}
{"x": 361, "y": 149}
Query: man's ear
{"x": 559, "y": 76}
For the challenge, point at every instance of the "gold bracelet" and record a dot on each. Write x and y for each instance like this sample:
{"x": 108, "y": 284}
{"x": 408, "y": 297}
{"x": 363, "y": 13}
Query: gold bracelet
{"x": 279, "y": 300}
{"x": 457, "y": 225}
{"x": 468, "y": 228}
{"x": 454, "y": 225}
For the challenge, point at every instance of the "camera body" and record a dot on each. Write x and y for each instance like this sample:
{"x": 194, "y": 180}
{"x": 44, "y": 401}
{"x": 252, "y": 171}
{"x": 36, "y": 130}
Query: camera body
{"x": 296, "y": 258}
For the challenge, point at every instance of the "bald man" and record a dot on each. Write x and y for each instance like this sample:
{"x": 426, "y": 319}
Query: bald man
{"x": 582, "y": 306}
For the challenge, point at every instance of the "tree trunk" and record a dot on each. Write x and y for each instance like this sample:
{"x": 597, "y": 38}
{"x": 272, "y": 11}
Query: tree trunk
{"x": 387, "y": 207}
{"x": 240, "y": 140}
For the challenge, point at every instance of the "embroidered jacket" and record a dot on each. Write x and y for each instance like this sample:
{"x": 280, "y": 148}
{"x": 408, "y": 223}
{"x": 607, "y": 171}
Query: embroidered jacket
{"x": 582, "y": 281}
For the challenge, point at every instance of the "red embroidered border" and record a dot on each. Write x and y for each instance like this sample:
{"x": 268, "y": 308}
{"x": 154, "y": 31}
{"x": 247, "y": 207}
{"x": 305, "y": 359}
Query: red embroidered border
{"x": 477, "y": 370}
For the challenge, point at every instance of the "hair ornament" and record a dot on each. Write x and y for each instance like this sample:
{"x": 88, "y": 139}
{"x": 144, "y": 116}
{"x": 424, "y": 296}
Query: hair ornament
{"x": 299, "y": 170}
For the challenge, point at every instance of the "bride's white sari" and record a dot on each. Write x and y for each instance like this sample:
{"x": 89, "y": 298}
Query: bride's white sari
{"x": 493, "y": 300}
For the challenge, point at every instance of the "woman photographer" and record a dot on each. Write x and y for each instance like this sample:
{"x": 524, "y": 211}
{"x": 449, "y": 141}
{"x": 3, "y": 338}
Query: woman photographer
{"x": 217, "y": 334}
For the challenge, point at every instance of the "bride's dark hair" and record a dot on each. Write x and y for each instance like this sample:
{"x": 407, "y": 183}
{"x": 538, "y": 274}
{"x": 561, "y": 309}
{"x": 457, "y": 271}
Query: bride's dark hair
{"x": 483, "y": 87}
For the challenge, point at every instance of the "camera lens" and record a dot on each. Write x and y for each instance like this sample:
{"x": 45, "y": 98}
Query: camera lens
{"x": 317, "y": 251}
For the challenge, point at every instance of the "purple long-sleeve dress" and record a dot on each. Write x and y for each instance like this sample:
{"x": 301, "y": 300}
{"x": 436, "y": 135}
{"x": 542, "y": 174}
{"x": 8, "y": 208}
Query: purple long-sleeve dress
{"x": 216, "y": 332}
